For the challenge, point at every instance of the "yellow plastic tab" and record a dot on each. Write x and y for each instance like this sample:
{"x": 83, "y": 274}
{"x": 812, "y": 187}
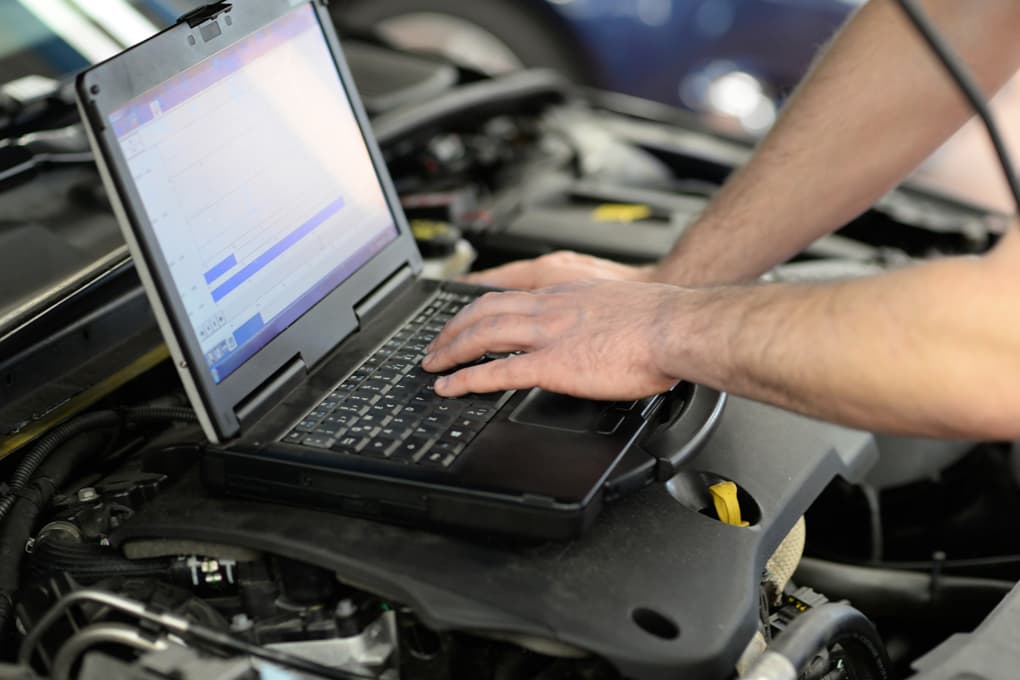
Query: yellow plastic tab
{"x": 621, "y": 212}
{"x": 727, "y": 507}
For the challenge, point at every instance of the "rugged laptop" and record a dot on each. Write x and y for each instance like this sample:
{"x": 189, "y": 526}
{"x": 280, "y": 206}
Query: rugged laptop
{"x": 285, "y": 280}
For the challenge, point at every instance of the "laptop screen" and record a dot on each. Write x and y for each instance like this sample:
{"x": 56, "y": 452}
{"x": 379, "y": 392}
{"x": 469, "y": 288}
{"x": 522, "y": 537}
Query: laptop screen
{"x": 257, "y": 182}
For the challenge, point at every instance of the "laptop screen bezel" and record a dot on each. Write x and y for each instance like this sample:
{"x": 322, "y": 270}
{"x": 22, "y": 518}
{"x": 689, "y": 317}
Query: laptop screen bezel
{"x": 115, "y": 82}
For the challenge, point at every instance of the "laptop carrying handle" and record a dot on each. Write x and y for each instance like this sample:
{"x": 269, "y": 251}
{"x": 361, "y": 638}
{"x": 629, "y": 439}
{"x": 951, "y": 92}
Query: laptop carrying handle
{"x": 685, "y": 429}
{"x": 685, "y": 422}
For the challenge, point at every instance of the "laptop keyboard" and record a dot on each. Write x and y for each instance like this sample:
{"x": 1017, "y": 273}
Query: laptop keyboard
{"x": 387, "y": 408}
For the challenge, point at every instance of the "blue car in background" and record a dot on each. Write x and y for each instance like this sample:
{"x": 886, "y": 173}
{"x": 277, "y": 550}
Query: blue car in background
{"x": 734, "y": 60}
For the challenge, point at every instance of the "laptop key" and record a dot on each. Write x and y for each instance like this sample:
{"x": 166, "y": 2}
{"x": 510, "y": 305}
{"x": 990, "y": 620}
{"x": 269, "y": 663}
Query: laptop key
{"x": 352, "y": 408}
{"x": 387, "y": 374}
{"x": 329, "y": 430}
{"x": 405, "y": 421}
{"x": 294, "y": 437}
{"x": 434, "y": 458}
{"x": 318, "y": 441}
{"x": 358, "y": 376}
{"x": 426, "y": 431}
{"x": 449, "y": 448}
{"x": 440, "y": 421}
{"x": 340, "y": 393}
{"x": 350, "y": 444}
{"x": 374, "y": 419}
{"x": 391, "y": 432}
{"x": 388, "y": 407}
{"x": 456, "y": 434}
{"x": 373, "y": 386}
{"x": 342, "y": 416}
{"x": 410, "y": 450}
{"x": 306, "y": 425}
{"x": 363, "y": 430}
{"x": 468, "y": 424}
{"x": 482, "y": 413}
{"x": 379, "y": 447}
{"x": 415, "y": 409}
{"x": 422, "y": 399}
{"x": 363, "y": 399}
{"x": 373, "y": 362}
{"x": 450, "y": 407}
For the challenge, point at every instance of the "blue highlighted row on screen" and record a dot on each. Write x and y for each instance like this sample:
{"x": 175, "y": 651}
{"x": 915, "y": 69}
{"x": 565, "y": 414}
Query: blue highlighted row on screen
{"x": 248, "y": 329}
{"x": 220, "y": 268}
{"x": 274, "y": 251}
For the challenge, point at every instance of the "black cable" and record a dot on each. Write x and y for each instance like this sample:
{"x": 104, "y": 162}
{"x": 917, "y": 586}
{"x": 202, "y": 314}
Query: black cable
{"x": 961, "y": 76}
{"x": 29, "y": 504}
{"x": 830, "y": 624}
{"x": 47, "y": 445}
{"x": 67, "y": 431}
{"x": 87, "y": 563}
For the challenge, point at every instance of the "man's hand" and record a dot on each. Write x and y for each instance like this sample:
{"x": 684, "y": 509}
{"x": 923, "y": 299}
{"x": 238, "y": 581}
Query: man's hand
{"x": 595, "y": 339}
{"x": 556, "y": 268}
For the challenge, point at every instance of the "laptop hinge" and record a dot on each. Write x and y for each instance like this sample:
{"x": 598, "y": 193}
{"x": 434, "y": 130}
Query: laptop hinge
{"x": 271, "y": 392}
{"x": 399, "y": 279}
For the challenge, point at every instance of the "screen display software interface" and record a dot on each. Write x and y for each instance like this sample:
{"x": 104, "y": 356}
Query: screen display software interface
{"x": 257, "y": 182}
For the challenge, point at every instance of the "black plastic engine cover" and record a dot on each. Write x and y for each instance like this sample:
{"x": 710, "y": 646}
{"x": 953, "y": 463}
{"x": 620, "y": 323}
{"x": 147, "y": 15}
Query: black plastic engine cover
{"x": 658, "y": 588}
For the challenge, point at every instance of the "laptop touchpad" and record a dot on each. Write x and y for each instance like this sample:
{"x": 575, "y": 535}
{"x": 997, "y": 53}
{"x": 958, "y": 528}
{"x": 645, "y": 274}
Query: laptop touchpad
{"x": 558, "y": 411}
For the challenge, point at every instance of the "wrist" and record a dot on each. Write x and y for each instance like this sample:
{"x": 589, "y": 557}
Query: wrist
{"x": 702, "y": 257}
{"x": 690, "y": 345}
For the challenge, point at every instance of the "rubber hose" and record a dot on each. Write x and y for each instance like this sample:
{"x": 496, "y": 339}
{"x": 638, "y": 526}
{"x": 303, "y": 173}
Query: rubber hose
{"x": 88, "y": 563}
{"x": 45, "y": 446}
{"x": 84, "y": 423}
{"x": 15, "y": 532}
{"x": 833, "y": 623}
{"x": 896, "y": 593}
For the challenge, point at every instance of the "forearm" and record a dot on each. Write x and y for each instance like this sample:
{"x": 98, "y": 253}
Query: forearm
{"x": 932, "y": 350}
{"x": 873, "y": 107}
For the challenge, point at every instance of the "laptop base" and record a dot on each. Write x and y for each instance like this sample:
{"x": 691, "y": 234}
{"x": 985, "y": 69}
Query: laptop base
{"x": 533, "y": 518}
